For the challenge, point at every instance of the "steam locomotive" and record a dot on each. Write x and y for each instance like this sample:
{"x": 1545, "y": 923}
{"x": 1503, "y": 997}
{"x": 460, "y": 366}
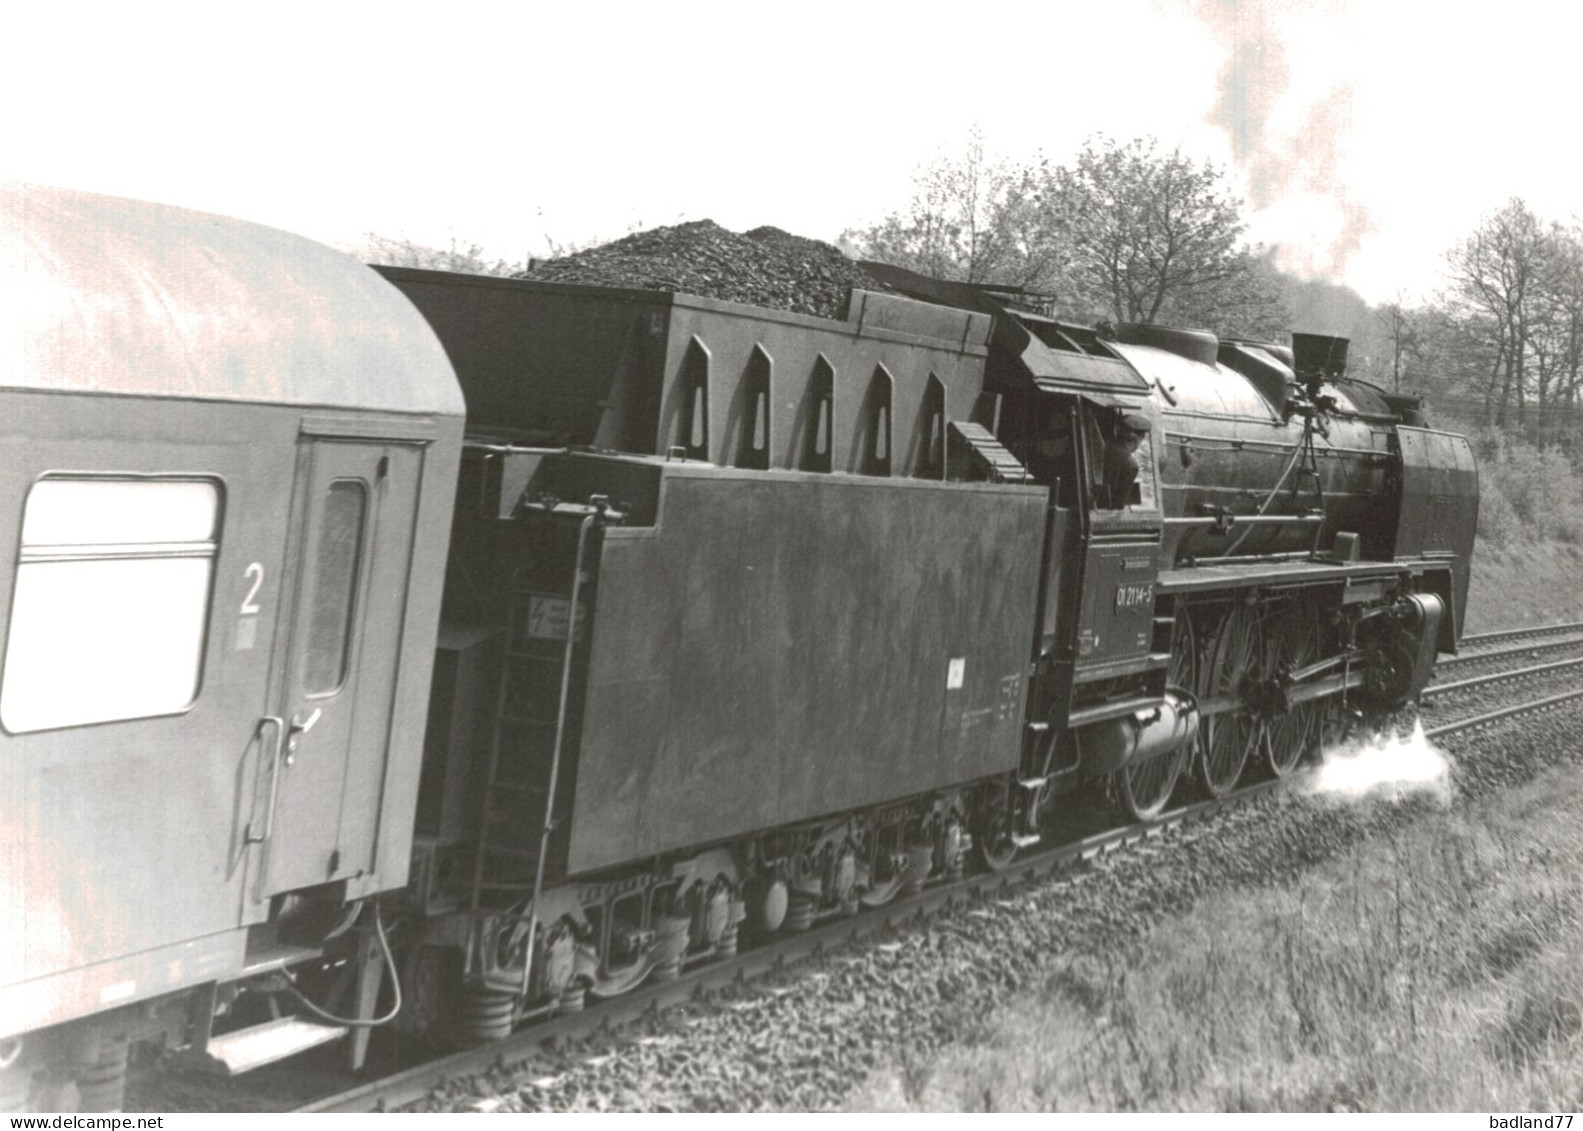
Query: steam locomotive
{"x": 710, "y": 622}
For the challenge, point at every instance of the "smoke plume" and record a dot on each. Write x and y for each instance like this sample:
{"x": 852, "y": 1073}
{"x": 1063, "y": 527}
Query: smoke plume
{"x": 1282, "y": 162}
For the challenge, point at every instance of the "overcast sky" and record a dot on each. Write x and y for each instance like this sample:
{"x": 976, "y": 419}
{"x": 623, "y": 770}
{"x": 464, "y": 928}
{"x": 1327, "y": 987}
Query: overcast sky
{"x": 1365, "y": 137}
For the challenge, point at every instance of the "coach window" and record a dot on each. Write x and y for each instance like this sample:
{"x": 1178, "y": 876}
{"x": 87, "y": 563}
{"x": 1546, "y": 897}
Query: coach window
{"x": 335, "y": 570}
{"x": 111, "y": 603}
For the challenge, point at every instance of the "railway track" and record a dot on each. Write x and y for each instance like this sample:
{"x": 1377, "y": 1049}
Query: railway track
{"x": 1437, "y": 690}
{"x": 1482, "y": 638}
{"x": 412, "y": 1085}
{"x": 1503, "y": 653}
{"x": 1532, "y": 707}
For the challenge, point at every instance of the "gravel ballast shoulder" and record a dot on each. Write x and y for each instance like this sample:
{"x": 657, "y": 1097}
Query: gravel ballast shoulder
{"x": 763, "y": 267}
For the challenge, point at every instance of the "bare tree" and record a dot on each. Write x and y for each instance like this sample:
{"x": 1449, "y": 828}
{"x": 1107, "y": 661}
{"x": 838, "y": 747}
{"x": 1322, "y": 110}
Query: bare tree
{"x": 1454, "y": 354}
{"x": 1557, "y": 331}
{"x": 947, "y": 230}
{"x": 1399, "y": 326}
{"x": 1495, "y": 273}
{"x": 974, "y": 218}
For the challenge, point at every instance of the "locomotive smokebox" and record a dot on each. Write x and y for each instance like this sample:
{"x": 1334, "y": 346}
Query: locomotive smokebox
{"x": 1319, "y": 357}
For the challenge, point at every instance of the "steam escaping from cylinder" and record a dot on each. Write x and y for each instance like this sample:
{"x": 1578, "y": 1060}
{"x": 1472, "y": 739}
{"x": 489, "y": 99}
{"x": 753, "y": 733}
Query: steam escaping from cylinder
{"x": 1385, "y": 766}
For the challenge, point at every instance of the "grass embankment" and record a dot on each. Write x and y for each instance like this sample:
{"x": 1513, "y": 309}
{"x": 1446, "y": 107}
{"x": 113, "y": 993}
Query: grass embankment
{"x": 1438, "y": 969}
{"x": 1524, "y": 582}
{"x": 1528, "y": 560}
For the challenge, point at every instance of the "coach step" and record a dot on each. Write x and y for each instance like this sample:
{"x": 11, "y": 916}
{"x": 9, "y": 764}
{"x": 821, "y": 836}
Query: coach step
{"x": 232, "y": 1054}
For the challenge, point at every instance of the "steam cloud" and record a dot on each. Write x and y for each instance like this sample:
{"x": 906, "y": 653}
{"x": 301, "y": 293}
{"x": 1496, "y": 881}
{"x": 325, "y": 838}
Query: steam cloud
{"x": 1253, "y": 84}
{"x": 1390, "y": 766}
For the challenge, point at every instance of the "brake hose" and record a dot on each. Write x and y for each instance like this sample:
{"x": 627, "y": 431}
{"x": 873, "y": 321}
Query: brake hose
{"x": 395, "y": 981}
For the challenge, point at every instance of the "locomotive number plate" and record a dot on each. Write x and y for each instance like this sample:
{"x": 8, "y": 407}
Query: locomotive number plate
{"x": 1134, "y": 596}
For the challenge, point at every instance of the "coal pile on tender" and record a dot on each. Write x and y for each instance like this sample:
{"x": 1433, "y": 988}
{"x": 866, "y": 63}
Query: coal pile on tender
{"x": 764, "y": 267}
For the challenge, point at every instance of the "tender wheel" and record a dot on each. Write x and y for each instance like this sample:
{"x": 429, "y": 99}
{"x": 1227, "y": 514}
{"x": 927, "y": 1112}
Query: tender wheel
{"x": 920, "y": 863}
{"x": 992, "y": 841}
{"x": 882, "y": 867}
{"x": 1228, "y": 737}
{"x": 949, "y": 848}
{"x": 1287, "y": 738}
{"x": 886, "y": 886}
{"x": 608, "y": 985}
{"x": 1143, "y": 790}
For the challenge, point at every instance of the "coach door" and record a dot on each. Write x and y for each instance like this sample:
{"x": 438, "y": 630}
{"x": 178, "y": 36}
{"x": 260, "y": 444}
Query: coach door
{"x": 354, "y": 514}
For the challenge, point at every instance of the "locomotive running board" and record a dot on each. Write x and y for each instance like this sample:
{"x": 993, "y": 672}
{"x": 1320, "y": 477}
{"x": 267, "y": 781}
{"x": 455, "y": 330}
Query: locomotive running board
{"x": 232, "y": 1054}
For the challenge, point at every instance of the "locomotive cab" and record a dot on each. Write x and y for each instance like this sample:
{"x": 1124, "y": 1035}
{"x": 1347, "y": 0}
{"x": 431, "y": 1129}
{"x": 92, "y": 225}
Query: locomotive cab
{"x": 1097, "y": 457}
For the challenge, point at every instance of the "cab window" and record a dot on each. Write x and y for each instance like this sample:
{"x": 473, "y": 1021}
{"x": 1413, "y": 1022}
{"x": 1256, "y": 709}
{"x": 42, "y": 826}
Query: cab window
{"x": 1052, "y": 453}
{"x": 1121, "y": 460}
{"x": 110, "y": 608}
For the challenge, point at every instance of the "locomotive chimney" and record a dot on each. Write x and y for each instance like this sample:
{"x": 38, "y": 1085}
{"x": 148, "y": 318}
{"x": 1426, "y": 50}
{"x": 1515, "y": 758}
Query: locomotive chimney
{"x": 1319, "y": 358}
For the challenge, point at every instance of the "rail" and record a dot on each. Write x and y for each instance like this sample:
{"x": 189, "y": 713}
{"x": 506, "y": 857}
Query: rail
{"x": 1513, "y": 633}
{"x": 1530, "y": 708}
{"x": 1439, "y": 689}
{"x": 1498, "y": 653}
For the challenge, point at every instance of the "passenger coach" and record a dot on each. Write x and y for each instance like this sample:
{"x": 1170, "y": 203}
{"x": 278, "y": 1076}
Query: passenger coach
{"x": 227, "y": 457}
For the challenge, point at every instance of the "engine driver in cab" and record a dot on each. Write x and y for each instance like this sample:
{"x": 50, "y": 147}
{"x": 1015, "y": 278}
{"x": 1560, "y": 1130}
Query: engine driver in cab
{"x": 1120, "y": 468}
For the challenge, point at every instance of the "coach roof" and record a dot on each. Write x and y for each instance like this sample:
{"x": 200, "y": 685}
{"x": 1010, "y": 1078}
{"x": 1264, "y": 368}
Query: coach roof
{"x": 103, "y": 295}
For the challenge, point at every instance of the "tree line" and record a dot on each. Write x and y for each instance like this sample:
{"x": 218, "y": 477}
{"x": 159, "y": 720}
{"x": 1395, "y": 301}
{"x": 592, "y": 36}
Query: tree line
{"x": 1505, "y": 336}
{"x": 1125, "y": 232}
{"x": 1129, "y": 232}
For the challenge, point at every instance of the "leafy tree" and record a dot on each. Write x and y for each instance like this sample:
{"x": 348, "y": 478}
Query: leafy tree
{"x": 971, "y": 218}
{"x": 1249, "y": 301}
{"x": 1125, "y": 233}
{"x": 1154, "y": 236}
